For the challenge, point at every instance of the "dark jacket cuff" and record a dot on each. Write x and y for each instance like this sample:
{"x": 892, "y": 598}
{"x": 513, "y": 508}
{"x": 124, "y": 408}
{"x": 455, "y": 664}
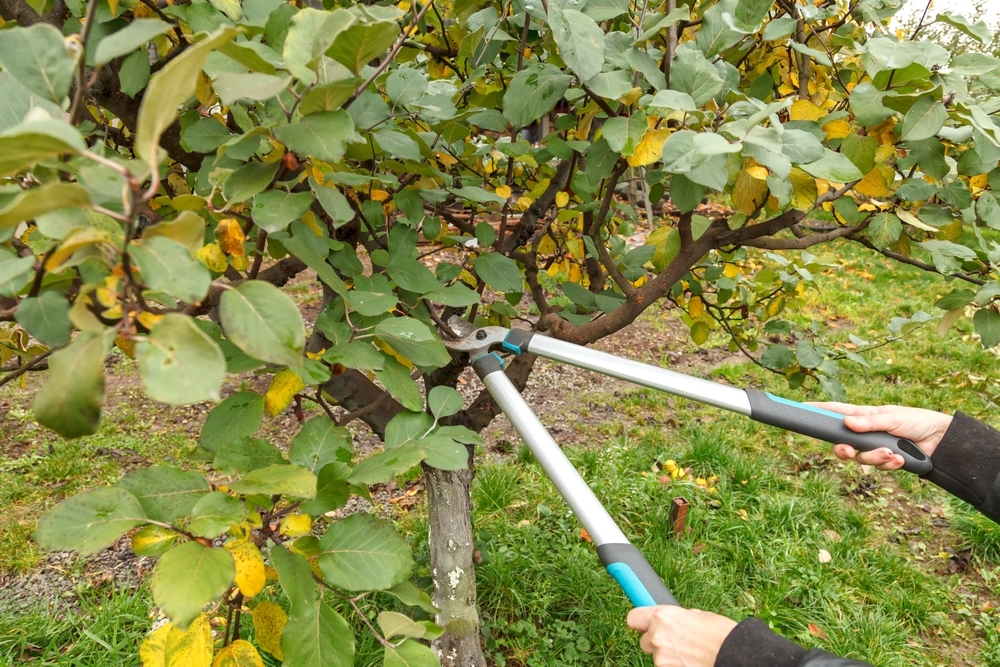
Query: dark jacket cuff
{"x": 753, "y": 644}
{"x": 967, "y": 462}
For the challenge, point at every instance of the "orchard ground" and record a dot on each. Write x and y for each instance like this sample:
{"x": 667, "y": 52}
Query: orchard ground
{"x": 879, "y": 567}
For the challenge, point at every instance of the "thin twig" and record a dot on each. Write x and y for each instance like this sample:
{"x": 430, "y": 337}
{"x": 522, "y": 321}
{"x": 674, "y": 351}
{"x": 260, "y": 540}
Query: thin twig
{"x": 81, "y": 74}
{"x": 27, "y": 366}
{"x": 447, "y": 330}
{"x": 361, "y": 412}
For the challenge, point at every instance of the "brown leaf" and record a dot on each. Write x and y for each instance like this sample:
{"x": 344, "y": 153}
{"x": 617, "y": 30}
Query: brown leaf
{"x": 832, "y": 535}
{"x": 698, "y": 548}
{"x": 817, "y": 631}
{"x": 586, "y": 536}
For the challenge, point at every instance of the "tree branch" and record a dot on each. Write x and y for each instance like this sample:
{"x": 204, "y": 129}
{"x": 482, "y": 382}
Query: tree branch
{"x": 27, "y": 366}
{"x": 807, "y": 241}
{"x": 914, "y": 262}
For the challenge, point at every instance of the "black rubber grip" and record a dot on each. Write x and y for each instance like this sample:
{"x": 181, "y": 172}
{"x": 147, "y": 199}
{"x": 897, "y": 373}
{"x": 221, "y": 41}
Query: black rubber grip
{"x": 635, "y": 575}
{"x": 829, "y": 426}
{"x": 517, "y": 341}
{"x": 487, "y": 364}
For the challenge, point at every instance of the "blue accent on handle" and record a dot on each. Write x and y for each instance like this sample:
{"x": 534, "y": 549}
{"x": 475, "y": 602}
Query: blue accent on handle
{"x": 511, "y": 348}
{"x": 630, "y": 583}
{"x": 499, "y": 359}
{"x": 803, "y": 406}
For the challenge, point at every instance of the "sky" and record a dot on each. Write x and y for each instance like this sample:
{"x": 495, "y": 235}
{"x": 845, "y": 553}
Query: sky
{"x": 966, "y": 8}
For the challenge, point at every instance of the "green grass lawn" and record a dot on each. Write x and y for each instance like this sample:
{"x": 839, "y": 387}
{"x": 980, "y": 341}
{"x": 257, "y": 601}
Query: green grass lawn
{"x": 890, "y": 593}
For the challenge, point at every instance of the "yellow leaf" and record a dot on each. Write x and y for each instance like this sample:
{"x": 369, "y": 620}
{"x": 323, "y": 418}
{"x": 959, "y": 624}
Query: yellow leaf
{"x": 296, "y": 525}
{"x": 950, "y": 232}
{"x": 774, "y": 306}
{"x": 203, "y": 91}
{"x": 189, "y": 649}
{"x": 804, "y": 191}
{"x": 285, "y": 384}
{"x": 884, "y": 131}
{"x": 546, "y": 246}
{"x": 77, "y": 239}
{"x": 213, "y": 257}
{"x": 317, "y": 174}
{"x": 240, "y": 262}
{"x": 503, "y": 191}
{"x": 758, "y": 172}
{"x": 806, "y": 110}
{"x": 524, "y": 202}
{"x": 583, "y": 128}
{"x": 240, "y": 653}
{"x": 977, "y": 182}
{"x": 126, "y": 345}
{"x": 749, "y": 193}
{"x": 379, "y": 195}
{"x": 884, "y": 152}
{"x": 696, "y": 307}
{"x": 268, "y": 623}
{"x": 249, "y": 567}
{"x": 113, "y": 6}
{"x": 229, "y": 234}
{"x": 872, "y": 185}
{"x": 445, "y": 159}
{"x": 631, "y": 97}
{"x": 562, "y": 198}
{"x": 649, "y": 149}
{"x": 141, "y": 11}
{"x": 731, "y": 271}
{"x": 270, "y": 573}
{"x": 151, "y": 651}
{"x": 148, "y": 319}
{"x": 837, "y": 129}
{"x": 188, "y": 229}
{"x": 178, "y": 184}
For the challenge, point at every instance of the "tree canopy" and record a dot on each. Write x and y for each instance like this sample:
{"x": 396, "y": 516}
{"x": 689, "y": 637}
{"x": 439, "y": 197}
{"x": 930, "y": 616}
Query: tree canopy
{"x": 166, "y": 168}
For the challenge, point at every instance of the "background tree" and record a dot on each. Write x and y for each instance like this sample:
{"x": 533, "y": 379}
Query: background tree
{"x": 169, "y": 167}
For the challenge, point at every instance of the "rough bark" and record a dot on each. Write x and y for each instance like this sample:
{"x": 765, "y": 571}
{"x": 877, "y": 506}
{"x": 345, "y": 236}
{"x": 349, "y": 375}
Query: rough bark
{"x": 451, "y": 543}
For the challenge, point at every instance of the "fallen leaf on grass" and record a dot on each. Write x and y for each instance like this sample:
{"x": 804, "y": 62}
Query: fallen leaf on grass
{"x": 743, "y": 515}
{"x": 817, "y": 631}
{"x": 824, "y": 556}
{"x": 585, "y": 535}
{"x": 832, "y": 535}
{"x": 698, "y": 548}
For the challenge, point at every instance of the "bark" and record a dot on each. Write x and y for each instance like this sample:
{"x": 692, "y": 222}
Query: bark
{"x": 451, "y": 544}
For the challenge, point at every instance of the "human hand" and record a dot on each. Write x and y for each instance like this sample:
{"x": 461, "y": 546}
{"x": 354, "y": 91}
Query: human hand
{"x": 924, "y": 428}
{"x": 679, "y": 637}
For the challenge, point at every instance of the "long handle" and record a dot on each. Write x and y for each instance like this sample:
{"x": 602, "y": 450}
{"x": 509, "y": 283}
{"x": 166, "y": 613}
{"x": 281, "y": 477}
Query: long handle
{"x": 826, "y": 425}
{"x": 623, "y": 561}
{"x": 759, "y": 406}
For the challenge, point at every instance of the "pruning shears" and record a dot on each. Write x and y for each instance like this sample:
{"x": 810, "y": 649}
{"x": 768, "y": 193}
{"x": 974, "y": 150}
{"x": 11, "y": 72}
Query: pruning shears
{"x": 623, "y": 560}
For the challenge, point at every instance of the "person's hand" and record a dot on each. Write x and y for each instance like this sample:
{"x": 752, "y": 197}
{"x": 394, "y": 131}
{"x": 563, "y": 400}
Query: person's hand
{"x": 679, "y": 637}
{"x": 924, "y": 428}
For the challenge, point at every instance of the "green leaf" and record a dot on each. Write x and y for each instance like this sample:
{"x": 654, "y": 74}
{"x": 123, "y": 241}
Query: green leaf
{"x": 398, "y": 145}
{"x": 866, "y": 104}
{"x": 169, "y": 88}
{"x": 752, "y": 12}
{"x": 986, "y": 322}
{"x": 317, "y": 635}
{"x": 987, "y": 208}
{"x": 45, "y": 317}
{"x": 973, "y": 64}
{"x": 444, "y": 401}
{"x": 165, "y": 493}
{"x": 231, "y": 8}
{"x": 295, "y": 578}
{"x": 276, "y": 209}
{"x": 807, "y": 354}
{"x": 18, "y": 101}
{"x": 35, "y": 202}
{"x": 833, "y": 167}
{"x": 321, "y": 135}
{"x": 357, "y": 354}
{"x": 777, "y": 357}
{"x": 188, "y": 577}
{"x": 405, "y": 86}
{"x": 234, "y": 86}
{"x": 304, "y": 251}
{"x": 205, "y": 135}
{"x": 533, "y": 92}
{"x": 37, "y": 58}
{"x": 410, "y": 653}
{"x": 979, "y": 31}
{"x": 602, "y": 10}
{"x": 457, "y": 296}
{"x": 395, "y": 377}
{"x": 238, "y": 416}
{"x": 499, "y": 272}
{"x": 214, "y": 513}
{"x": 460, "y": 434}
{"x": 264, "y": 322}
{"x": 70, "y": 402}
{"x": 386, "y": 465}
{"x": 179, "y": 363}
{"x": 673, "y": 99}
{"x": 884, "y": 230}
{"x": 137, "y": 33}
{"x": 356, "y": 47}
{"x": 29, "y": 143}
{"x": 411, "y": 275}
{"x": 414, "y": 340}
{"x": 134, "y": 73}
{"x": 15, "y": 273}
{"x": 90, "y": 521}
{"x": 956, "y": 298}
{"x": 360, "y": 553}
{"x": 407, "y": 427}
{"x": 332, "y": 490}
{"x": 685, "y": 150}
{"x": 286, "y": 480}
{"x": 624, "y": 133}
{"x": 333, "y": 202}
{"x": 924, "y": 119}
{"x": 444, "y": 453}
{"x": 249, "y": 180}
{"x": 580, "y": 41}
{"x": 312, "y": 31}
{"x": 411, "y": 596}
{"x": 318, "y": 443}
{"x": 167, "y": 266}
{"x": 394, "y": 624}
{"x": 693, "y": 74}
{"x": 246, "y": 454}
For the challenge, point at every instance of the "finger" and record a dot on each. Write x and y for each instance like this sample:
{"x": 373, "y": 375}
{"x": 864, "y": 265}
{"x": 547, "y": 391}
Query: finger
{"x": 877, "y": 457}
{"x": 894, "y": 464}
{"x": 646, "y": 643}
{"x": 844, "y": 452}
{"x": 639, "y": 618}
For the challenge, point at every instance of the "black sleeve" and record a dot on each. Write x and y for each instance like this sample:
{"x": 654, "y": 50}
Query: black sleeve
{"x": 967, "y": 464}
{"x": 753, "y": 644}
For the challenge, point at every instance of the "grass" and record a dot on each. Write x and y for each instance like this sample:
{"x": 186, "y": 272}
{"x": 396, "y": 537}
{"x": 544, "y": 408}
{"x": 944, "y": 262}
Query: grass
{"x": 891, "y": 593}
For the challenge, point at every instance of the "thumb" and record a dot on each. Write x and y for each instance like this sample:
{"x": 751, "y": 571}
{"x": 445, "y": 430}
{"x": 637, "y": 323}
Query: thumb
{"x": 640, "y": 618}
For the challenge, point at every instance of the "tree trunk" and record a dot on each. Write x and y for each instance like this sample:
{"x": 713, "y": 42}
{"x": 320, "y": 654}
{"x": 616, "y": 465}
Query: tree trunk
{"x": 449, "y": 502}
